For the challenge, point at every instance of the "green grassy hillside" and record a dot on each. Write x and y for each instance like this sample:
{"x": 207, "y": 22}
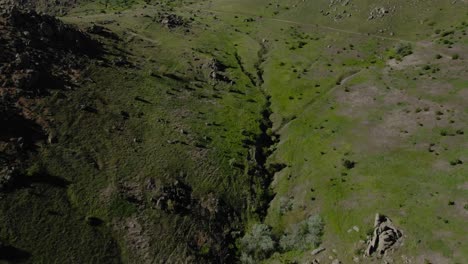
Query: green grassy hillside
{"x": 242, "y": 117}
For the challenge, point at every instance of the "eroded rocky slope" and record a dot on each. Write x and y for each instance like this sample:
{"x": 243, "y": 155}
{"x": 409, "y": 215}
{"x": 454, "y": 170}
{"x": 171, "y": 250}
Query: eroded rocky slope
{"x": 39, "y": 54}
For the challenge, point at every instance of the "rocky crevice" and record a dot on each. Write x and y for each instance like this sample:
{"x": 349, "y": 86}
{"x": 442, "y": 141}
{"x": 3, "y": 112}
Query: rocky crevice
{"x": 261, "y": 171}
{"x": 249, "y": 75}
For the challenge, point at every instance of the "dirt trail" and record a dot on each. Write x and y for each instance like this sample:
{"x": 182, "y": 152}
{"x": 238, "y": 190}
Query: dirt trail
{"x": 144, "y": 38}
{"x": 330, "y": 91}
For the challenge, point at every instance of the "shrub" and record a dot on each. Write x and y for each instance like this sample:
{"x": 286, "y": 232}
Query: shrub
{"x": 304, "y": 235}
{"x": 301, "y": 44}
{"x": 349, "y": 164}
{"x": 456, "y": 162}
{"x": 403, "y": 50}
{"x": 446, "y": 33}
{"x": 258, "y": 244}
{"x": 286, "y": 205}
{"x": 247, "y": 259}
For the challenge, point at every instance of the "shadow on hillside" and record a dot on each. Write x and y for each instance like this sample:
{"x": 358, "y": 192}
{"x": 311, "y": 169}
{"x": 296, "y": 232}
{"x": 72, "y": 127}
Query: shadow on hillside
{"x": 47, "y": 179}
{"x": 23, "y": 181}
{"x": 16, "y": 126}
{"x": 13, "y": 255}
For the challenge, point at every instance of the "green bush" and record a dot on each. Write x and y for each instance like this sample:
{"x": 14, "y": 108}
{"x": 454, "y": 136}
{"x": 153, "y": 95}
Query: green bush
{"x": 304, "y": 235}
{"x": 258, "y": 244}
{"x": 247, "y": 259}
{"x": 403, "y": 50}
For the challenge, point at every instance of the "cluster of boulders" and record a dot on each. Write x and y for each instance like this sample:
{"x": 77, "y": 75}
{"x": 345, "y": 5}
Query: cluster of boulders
{"x": 172, "y": 20}
{"x": 215, "y": 221}
{"x": 379, "y": 12}
{"x": 175, "y": 197}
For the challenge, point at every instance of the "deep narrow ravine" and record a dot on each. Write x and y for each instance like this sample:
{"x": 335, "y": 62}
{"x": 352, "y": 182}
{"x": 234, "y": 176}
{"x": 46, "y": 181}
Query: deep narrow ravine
{"x": 261, "y": 171}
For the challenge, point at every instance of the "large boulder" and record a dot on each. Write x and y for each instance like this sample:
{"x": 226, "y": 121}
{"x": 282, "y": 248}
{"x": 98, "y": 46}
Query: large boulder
{"x": 384, "y": 237}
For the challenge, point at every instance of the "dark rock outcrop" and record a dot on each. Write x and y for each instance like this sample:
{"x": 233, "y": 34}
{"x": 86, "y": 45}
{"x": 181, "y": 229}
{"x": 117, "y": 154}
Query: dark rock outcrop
{"x": 172, "y": 20}
{"x": 38, "y": 54}
{"x": 56, "y": 7}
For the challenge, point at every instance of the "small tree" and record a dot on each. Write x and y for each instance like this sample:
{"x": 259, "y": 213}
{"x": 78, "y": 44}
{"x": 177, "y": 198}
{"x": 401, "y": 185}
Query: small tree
{"x": 304, "y": 235}
{"x": 257, "y": 244}
{"x": 403, "y": 50}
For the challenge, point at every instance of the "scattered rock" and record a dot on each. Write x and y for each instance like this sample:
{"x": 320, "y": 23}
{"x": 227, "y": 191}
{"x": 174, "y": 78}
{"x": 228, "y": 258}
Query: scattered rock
{"x": 52, "y": 138}
{"x": 7, "y": 176}
{"x": 121, "y": 61}
{"x": 317, "y": 251}
{"x": 218, "y": 71}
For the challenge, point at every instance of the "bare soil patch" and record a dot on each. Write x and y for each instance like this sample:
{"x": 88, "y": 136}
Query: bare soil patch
{"x": 357, "y": 100}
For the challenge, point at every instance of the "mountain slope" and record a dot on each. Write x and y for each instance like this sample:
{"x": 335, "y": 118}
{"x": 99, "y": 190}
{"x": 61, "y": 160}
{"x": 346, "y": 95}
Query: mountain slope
{"x": 248, "y": 131}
